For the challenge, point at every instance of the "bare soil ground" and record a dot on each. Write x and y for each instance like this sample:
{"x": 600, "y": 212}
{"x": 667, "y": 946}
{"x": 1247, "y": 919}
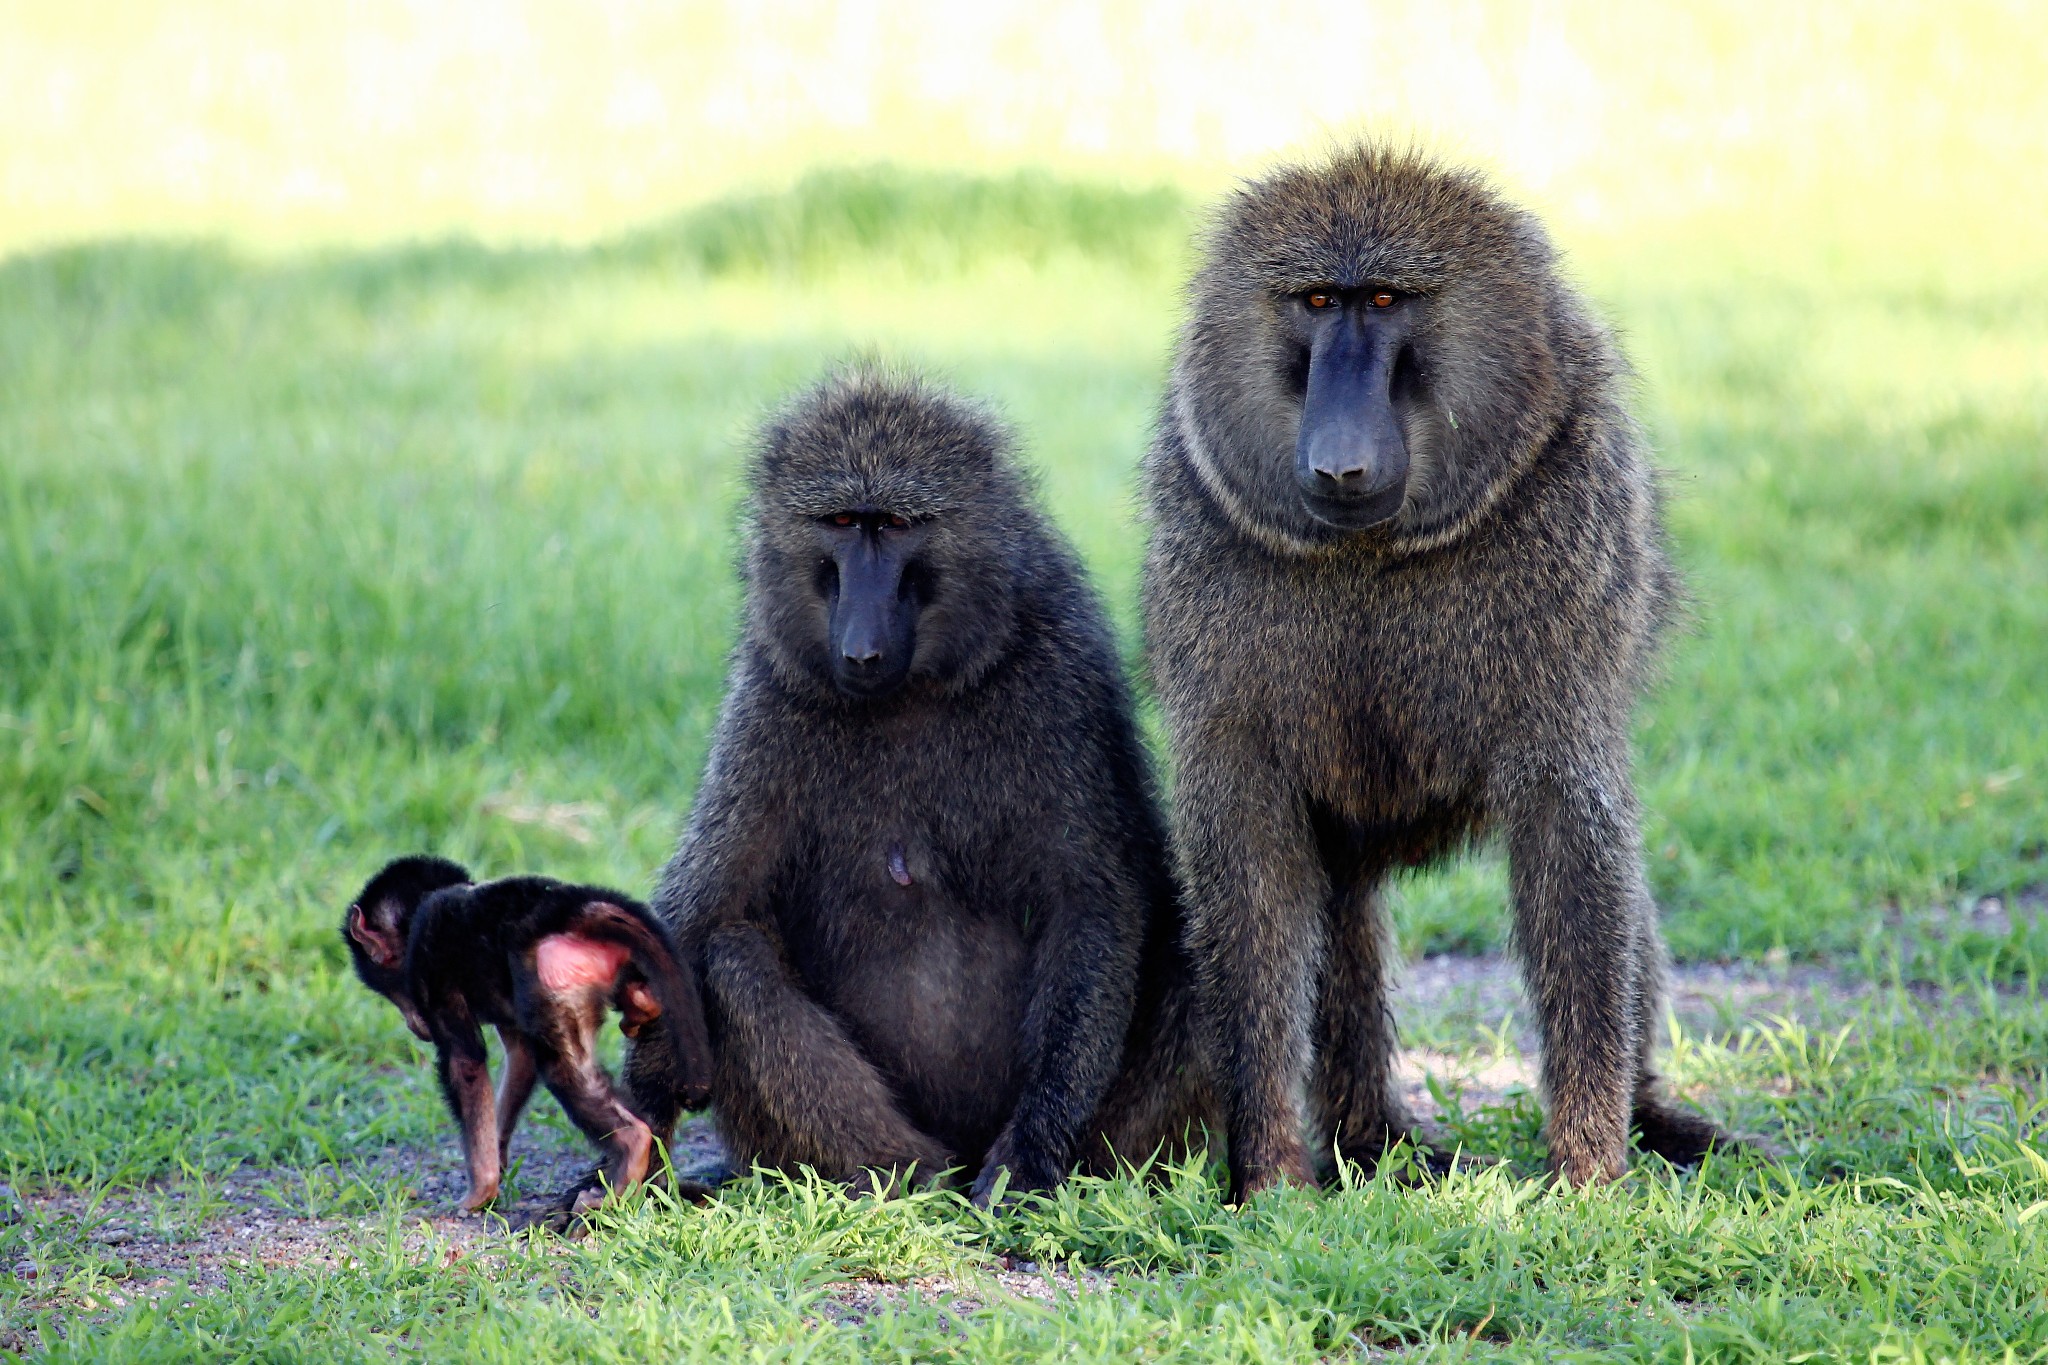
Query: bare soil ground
{"x": 852, "y": 1303}
{"x": 158, "y": 1237}
{"x": 1445, "y": 1002}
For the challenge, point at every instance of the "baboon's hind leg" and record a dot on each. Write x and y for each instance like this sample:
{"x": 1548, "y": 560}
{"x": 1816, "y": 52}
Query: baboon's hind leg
{"x": 1161, "y": 1102}
{"x": 1670, "y": 1129}
{"x": 1359, "y": 1110}
{"x": 789, "y": 1087}
{"x": 568, "y": 1064}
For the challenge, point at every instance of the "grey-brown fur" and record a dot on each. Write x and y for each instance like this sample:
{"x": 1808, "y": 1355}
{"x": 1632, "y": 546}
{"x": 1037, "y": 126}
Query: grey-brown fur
{"x": 1346, "y": 702}
{"x": 922, "y": 919}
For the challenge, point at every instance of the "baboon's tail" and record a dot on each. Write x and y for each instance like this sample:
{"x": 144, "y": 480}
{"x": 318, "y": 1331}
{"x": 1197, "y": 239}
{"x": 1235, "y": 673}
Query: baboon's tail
{"x": 684, "y": 1049}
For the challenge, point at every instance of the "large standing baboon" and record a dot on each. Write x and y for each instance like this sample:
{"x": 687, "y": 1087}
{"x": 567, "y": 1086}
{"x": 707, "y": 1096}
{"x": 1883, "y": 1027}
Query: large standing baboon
{"x": 924, "y": 865}
{"x": 1406, "y": 576}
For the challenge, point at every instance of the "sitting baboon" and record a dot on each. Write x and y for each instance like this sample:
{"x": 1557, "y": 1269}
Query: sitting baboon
{"x": 1406, "y": 576}
{"x": 924, "y": 871}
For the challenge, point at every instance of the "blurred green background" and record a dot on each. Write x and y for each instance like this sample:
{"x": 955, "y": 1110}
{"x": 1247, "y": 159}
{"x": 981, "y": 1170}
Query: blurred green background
{"x": 1824, "y": 126}
{"x": 372, "y": 381}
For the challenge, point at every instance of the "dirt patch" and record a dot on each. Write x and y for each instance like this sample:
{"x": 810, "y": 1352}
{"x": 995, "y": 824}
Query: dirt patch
{"x": 1469, "y": 1027}
{"x": 201, "y": 1233}
{"x": 853, "y": 1303}
{"x": 1989, "y": 916}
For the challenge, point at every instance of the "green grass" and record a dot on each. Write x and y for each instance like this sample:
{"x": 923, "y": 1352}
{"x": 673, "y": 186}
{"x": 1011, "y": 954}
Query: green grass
{"x": 309, "y": 560}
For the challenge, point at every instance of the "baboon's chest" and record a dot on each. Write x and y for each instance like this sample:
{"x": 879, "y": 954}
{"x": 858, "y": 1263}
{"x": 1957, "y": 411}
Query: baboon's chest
{"x": 873, "y": 888}
{"x": 1389, "y": 705}
{"x": 930, "y": 986}
{"x": 1373, "y": 727}
{"x": 889, "y": 938}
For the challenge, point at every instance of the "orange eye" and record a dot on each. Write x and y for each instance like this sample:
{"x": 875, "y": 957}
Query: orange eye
{"x": 1383, "y": 299}
{"x": 1321, "y": 299}
{"x": 843, "y": 519}
{"x": 898, "y": 524}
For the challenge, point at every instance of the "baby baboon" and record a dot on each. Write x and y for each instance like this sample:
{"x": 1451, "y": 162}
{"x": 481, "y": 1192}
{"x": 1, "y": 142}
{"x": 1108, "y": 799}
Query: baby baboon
{"x": 1406, "y": 576}
{"x": 922, "y": 865}
{"x": 541, "y": 962}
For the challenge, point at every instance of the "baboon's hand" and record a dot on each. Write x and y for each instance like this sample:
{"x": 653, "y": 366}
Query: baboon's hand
{"x": 1017, "y": 1173}
{"x": 1256, "y": 1177}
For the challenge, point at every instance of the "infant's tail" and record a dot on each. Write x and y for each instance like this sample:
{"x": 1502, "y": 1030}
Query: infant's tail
{"x": 669, "y": 1066}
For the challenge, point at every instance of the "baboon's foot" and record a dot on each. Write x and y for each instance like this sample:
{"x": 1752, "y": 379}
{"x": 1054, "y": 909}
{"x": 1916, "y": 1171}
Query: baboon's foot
{"x": 890, "y": 1181}
{"x": 1281, "y": 1163}
{"x": 1579, "y": 1171}
{"x": 632, "y": 1155}
{"x": 1582, "y": 1160}
{"x": 707, "y": 1174}
{"x": 1018, "y": 1182}
{"x": 1681, "y": 1134}
{"x": 699, "y": 1189}
{"x": 564, "y": 1213}
{"x": 481, "y": 1195}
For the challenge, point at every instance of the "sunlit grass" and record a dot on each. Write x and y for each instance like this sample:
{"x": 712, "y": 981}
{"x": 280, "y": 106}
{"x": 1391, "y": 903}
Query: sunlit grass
{"x": 1898, "y": 1220}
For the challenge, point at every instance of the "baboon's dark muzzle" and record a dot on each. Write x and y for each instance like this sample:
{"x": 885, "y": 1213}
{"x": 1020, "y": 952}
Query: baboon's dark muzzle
{"x": 1351, "y": 459}
{"x": 873, "y": 622}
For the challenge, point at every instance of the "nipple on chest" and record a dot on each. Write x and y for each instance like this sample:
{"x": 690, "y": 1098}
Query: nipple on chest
{"x": 899, "y": 864}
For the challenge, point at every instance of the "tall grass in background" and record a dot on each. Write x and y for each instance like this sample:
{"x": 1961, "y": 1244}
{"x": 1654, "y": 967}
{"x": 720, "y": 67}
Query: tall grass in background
{"x": 310, "y": 559}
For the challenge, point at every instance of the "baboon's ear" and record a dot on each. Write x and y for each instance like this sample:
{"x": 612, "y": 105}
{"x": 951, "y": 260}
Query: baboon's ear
{"x": 380, "y": 939}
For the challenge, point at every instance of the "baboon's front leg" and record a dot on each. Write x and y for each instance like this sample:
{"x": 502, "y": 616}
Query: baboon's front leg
{"x": 466, "y": 1083}
{"x": 789, "y": 1086}
{"x": 1071, "y": 1041}
{"x": 1161, "y": 1101}
{"x": 1256, "y": 890}
{"x": 1581, "y": 912}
